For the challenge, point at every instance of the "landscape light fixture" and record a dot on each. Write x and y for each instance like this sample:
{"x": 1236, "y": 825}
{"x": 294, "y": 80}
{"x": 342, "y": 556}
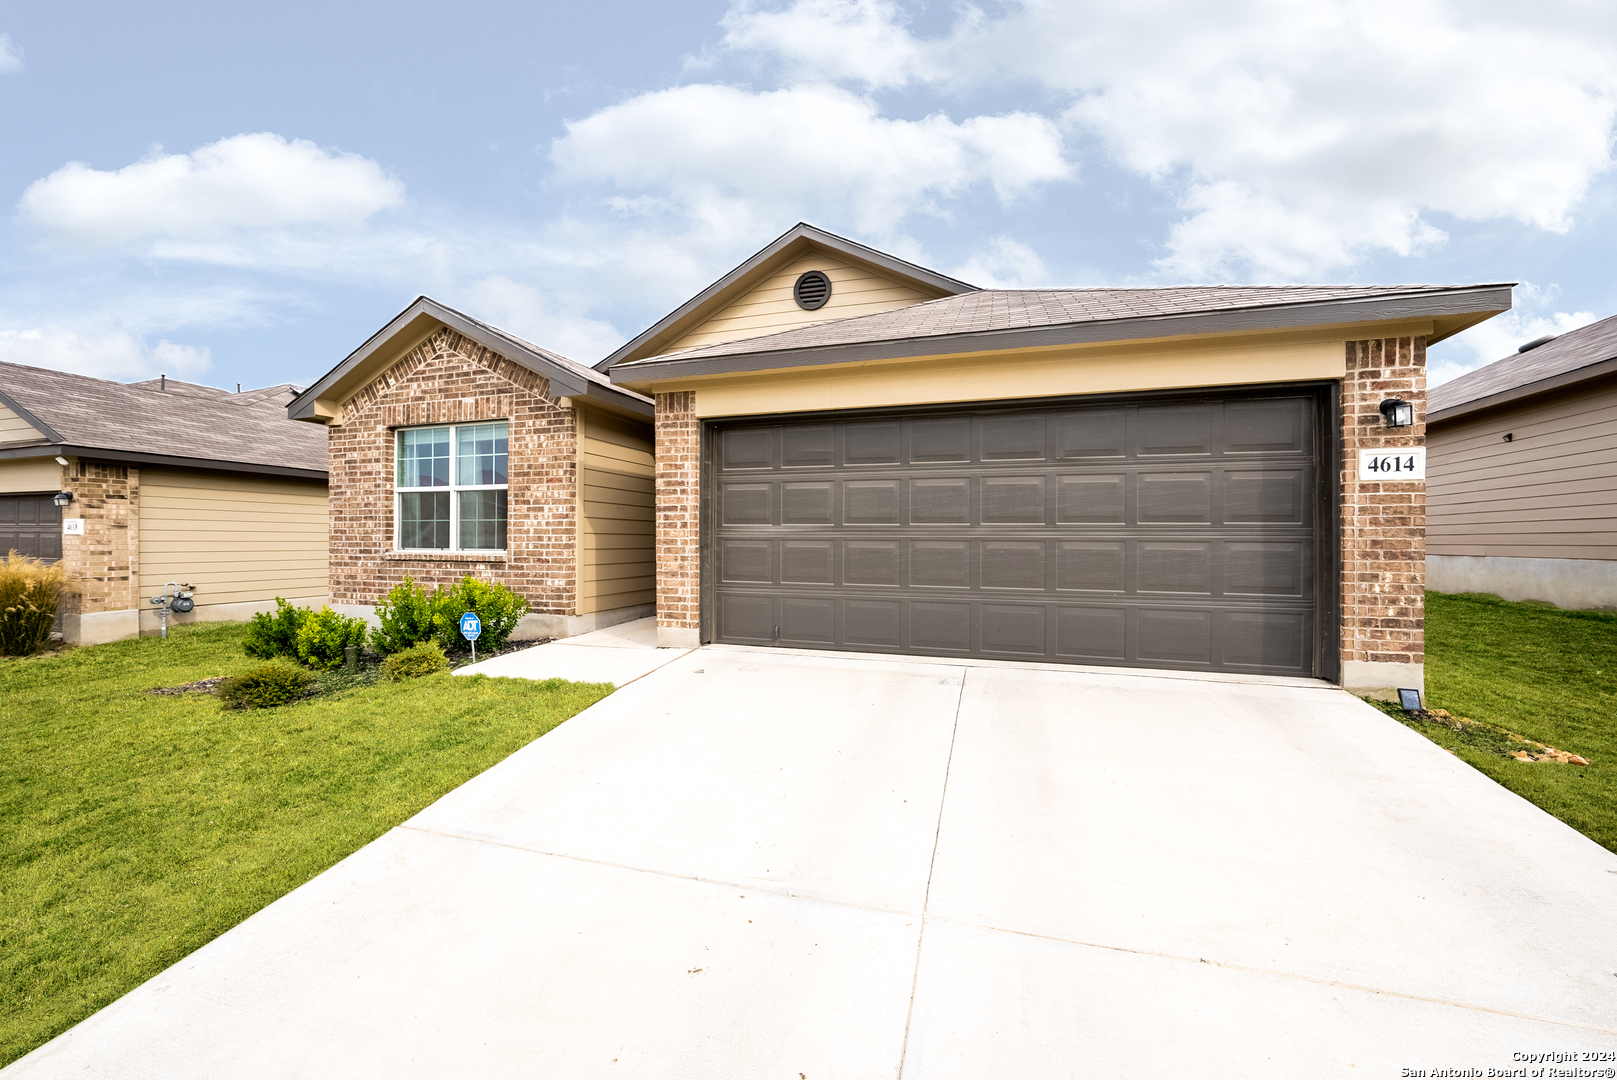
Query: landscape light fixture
{"x": 62, "y": 498}
{"x": 1399, "y": 413}
{"x": 1410, "y": 700}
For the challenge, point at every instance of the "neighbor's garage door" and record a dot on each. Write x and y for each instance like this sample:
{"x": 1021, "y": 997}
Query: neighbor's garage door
{"x": 1176, "y": 533}
{"x": 32, "y": 525}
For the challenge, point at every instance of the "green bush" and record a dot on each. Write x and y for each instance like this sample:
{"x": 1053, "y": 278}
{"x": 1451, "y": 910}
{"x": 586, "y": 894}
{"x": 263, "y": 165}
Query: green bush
{"x": 406, "y": 614}
{"x": 265, "y": 686}
{"x": 325, "y": 634}
{"x": 275, "y": 635}
{"x": 29, "y": 593}
{"x": 425, "y": 658}
{"x": 497, "y": 607}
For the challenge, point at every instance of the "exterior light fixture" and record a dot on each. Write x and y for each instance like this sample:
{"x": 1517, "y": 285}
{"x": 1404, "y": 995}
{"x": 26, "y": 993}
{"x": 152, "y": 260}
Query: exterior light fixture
{"x": 62, "y": 498}
{"x": 1409, "y": 700}
{"x": 62, "y": 461}
{"x": 1398, "y": 412}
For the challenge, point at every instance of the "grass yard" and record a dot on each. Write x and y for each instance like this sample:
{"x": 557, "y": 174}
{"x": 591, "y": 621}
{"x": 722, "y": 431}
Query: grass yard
{"x": 1537, "y": 671}
{"x": 135, "y": 828}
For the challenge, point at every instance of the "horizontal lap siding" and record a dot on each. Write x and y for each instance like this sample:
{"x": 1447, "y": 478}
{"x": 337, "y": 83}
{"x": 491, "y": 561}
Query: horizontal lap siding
{"x": 238, "y": 539}
{"x": 1548, "y": 493}
{"x": 14, "y": 428}
{"x": 771, "y": 308}
{"x": 616, "y": 525}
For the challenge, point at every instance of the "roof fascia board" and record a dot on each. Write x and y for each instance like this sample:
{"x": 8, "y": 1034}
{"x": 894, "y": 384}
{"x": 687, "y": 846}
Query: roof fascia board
{"x": 135, "y": 457}
{"x": 302, "y": 406}
{"x": 1525, "y": 391}
{"x": 1386, "y": 308}
{"x": 33, "y": 421}
{"x": 760, "y": 260}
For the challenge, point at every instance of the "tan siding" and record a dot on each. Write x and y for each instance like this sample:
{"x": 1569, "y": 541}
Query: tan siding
{"x": 769, "y": 308}
{"x": 616, "y": 523}
{"x": 1549, "y": 493}
{"x": 14, "y": 428}
{"x": 31, "y": 475}
{"x": 238, "y": 539}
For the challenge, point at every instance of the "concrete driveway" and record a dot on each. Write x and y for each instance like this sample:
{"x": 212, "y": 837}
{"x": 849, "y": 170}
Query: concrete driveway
{"x": 758, "y": 863}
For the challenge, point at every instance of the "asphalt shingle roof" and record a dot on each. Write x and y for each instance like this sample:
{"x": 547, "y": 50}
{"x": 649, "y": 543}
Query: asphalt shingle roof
{"x": 1012, "y": 309}
{"x": 185, "y": 420}
{"x": 1572, "y": 350}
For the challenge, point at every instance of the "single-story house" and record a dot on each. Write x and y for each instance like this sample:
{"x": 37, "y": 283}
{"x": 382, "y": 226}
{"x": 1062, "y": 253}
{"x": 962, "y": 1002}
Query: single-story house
{"x": 138, "y": 485}
{"x": 1523, "y": 474}
{"x": 456, "y": 448}
{"x": 857, "y": 453}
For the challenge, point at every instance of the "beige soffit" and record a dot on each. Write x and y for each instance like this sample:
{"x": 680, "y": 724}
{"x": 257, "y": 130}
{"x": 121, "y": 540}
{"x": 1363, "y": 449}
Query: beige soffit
{"x": 800, "y": 240}
{"x": 322, "y": 402}
{"x": 1015, "y": 320}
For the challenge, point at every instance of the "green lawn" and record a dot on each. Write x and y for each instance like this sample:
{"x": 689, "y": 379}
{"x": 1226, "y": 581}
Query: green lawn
{"x": 1536, "y": 671}
{"x": 135, "y": 828}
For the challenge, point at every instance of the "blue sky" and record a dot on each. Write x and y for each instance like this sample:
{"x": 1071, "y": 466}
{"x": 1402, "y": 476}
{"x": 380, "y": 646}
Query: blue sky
{"x": 246, "y": 192}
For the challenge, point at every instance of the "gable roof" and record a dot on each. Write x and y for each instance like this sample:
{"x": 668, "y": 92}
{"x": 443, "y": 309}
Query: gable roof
{"x": 568, "y": 378}
{"x": 1585, "y": 353}
{"x": 989, "y": 319}
{"x": 181, "y": 424}
{"x": 801, "y": 239}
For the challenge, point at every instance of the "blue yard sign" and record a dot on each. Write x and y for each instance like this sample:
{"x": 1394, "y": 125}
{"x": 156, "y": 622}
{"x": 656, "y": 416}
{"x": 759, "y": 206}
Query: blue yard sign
{"x": 470, "y": 627}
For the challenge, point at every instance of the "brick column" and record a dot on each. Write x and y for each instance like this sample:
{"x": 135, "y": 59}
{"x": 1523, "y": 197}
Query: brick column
{"x": 679, "y": 505}
{"x": 1383, "y": 524}
{"x": 102, "y": 564}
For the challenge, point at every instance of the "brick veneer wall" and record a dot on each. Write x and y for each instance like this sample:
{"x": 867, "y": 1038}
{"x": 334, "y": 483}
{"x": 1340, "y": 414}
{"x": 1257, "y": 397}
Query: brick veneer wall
{"x": 103, "y": 565}
{"x": 449, "y": 379}
{"x": 679, "y": 456}
{"x": 1383, "y": 524}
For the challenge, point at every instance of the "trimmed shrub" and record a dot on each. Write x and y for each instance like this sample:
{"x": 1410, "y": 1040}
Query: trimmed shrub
{"x": 29, "y": 592}
{"x": 275, "y": 635}
{"x": 324, "y": 635}
{"x": 265, "y": 686}
{"x": 425, "y": 658}
{"x": 406, "y": 615}
{"x": 497, "y": 607}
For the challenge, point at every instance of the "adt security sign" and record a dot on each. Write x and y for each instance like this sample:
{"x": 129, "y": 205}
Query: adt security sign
{"x": 470, "y": 627}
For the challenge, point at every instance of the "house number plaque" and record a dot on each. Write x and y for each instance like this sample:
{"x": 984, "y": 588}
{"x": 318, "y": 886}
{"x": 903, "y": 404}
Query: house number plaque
{"x": 1395, "y": 464}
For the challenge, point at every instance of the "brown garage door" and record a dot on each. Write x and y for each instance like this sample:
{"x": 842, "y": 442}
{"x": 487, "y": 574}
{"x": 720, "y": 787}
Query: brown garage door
{"x": 1178, "y": 533}
{"x": 31, "y": 524}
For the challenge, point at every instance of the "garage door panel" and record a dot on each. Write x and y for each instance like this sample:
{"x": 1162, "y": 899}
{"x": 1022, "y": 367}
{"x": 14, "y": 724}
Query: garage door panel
{"x": 31, "y": 525}
{"x": 1177, "y": 534}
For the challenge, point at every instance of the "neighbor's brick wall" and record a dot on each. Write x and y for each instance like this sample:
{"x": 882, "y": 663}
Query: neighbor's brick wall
{"x": 1383, "y": 524}
{"x": 103, "y": 565}
{"x": 449, "y": 379}
{"x": 679, "y": 456}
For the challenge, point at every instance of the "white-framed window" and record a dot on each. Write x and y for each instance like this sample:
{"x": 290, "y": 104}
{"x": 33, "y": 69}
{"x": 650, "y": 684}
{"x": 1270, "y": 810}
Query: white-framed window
{"x": 450, "y": 488}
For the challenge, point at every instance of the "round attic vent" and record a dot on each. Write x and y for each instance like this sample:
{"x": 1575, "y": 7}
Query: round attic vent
{"x": 812, "y": 290}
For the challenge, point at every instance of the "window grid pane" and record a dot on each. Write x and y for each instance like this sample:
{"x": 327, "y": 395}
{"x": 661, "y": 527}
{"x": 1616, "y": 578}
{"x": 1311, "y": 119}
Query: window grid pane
{"x": 482, "y": 520}
{"x": 424, "y": 458}
{"x": 481, "y": 454}
{"x": 424, "y": 520}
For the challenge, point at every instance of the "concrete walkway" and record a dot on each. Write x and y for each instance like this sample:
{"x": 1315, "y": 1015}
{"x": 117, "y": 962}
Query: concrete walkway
{"x": 759, "y": 863}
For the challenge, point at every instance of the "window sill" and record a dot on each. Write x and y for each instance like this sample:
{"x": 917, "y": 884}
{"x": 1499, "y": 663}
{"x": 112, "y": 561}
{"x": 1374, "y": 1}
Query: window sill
{"x": 445, "y": 556}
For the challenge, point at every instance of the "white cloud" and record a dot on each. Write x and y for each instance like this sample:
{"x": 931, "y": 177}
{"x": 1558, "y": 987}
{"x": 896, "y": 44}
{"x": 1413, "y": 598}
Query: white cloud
{"x": 10, "y": 54}
{"x": 1298, "y": 138}
{"x": 1500, "y": 336}
{"x": 1006, "y": 264}
{"x": 115, "y": 354}
{"x": 539, "y": 316}
{"x": 246, "y": 184}
{"x": 741, "y": 163}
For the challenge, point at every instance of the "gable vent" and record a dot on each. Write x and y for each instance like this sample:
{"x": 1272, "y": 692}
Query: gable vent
{"x": 812, "y": 290}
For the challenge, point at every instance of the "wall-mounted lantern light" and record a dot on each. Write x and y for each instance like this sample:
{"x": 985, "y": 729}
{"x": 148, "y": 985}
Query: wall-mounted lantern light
{"x": 1398, "y": 412}
{"x": 62, "y": 498}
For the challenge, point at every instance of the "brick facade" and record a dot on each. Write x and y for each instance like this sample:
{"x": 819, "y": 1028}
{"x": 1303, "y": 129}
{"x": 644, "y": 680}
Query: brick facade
{"x": 1383, "y": 524}
{"x": 679, "y": 495}
{"x": 102, "y": 565}
{"x": 450, "y": 379}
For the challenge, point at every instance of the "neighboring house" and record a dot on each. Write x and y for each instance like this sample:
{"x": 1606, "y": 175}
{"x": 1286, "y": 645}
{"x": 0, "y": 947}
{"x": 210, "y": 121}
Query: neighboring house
{"x": 1523, "y": 474}
{"x": 170, "y": 482}
{"x": 857, "y": 453}
{"x": 456, "y": 448}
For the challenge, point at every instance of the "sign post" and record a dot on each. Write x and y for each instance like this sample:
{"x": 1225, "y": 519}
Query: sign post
{"x": 470, "y": 628}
